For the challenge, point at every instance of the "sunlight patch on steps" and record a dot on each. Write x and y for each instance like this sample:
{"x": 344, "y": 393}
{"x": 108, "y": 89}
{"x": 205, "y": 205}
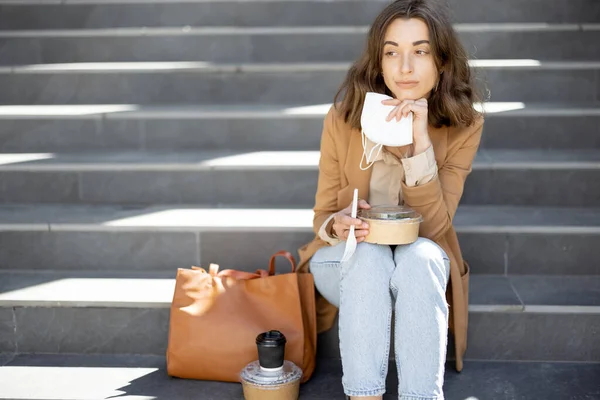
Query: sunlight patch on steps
{"x": 84, "y": 292}
{"x": 70, "y": 383}
{"x": 488, "y": 27}
{"x": 499, "y": 107}
{"x": 6, "y": 159}
{"x": 504, "y": 63}
{"x": 220, "y": 218}
{"x": 115, "y": 66}
{"x": 65, "y": 110}
{"x": 317, "y": 109}
{"x": 267, "y": 159}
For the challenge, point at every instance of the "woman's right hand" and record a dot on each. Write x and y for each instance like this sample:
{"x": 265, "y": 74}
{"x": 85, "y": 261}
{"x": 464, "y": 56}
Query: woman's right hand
{"x": 343, "y": 220}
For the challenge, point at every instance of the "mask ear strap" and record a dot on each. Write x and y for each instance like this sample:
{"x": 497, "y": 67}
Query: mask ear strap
{"x": 364, "y": 143}
{"x": 378, "y": 151}
{"x": 361, "y": 163}
{"x": 364, "y": 146}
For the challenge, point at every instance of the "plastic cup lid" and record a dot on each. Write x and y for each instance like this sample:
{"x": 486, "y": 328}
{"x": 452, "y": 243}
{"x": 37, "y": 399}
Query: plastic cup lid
{"x": 271, "y": 339}
{"x": 256, "y": 375}
{"x": 391, "y": 213}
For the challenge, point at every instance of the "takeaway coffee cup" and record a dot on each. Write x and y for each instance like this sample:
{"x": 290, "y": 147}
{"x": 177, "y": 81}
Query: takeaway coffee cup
{"x": 271, "y": 377}
{"x": 271, "y": 349}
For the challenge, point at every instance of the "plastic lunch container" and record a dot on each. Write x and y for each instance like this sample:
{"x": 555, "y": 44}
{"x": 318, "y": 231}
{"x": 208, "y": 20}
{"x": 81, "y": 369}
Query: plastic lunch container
{"x": 279, "y": 384}
{"x": 389, "y": 224}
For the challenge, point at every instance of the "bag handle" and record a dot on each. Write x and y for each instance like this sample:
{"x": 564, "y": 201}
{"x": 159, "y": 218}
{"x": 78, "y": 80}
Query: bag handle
{"x": 213, "y": 270}
{"x": 285, "y": 254}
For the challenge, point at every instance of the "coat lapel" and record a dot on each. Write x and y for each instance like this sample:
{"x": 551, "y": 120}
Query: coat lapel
{"x": 439, "y": 140}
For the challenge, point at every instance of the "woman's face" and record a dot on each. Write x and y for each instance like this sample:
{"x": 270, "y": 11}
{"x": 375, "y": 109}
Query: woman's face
{"x": 408, "y": 64}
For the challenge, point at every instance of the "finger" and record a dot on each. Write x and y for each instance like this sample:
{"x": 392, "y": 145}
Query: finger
{"x": 406, "y": 110}
{"x": 395, "y": 111}
{"x": 392, "y": 113}
{"x": 421, "y": 102}
{"x": 414, "y": 108}
{"x": 399, "y": 112}
{"x": 348, "y": 220}
{"x": 358, "y": 231}
{"x": 344, "y": 235}
{"x": 363, "y": 204}
{"x": 361, "y": 233}
{"x": 358, "y": 234}
{"x": 339, "y": 217}
{"x": 340, "y": 230}
{"x": 391, "y": 102}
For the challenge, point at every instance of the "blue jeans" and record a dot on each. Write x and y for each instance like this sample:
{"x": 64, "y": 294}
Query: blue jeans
{"x": 409, "y": 280}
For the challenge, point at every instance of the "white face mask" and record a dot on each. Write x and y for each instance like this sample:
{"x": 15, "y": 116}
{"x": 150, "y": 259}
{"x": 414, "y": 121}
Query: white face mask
{"x": 378, "y": 130}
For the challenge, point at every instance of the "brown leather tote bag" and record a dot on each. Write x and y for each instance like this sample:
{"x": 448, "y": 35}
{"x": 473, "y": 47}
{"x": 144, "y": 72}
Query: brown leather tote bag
{"x": 216, "y": 316}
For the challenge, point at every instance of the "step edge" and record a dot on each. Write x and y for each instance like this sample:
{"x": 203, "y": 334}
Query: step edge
{"x": 233, "y": 112}
{"x": 194, "y": 67}
{"x": 281, "y": 30}
{"x": 473, "y": 308}
{"x": 465, "y": 229}
{"x": 488, "y": 160}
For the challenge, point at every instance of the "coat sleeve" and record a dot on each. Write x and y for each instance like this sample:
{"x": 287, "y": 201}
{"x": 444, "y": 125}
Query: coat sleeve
{"x": 438, "y": 199}
{"x": 328, "y": 184}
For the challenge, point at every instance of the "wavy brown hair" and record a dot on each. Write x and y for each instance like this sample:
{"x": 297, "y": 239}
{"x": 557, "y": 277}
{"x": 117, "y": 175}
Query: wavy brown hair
{"x": 451, "y": 104}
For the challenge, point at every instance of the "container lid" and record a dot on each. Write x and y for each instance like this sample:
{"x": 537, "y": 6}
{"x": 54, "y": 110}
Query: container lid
{"x": 254, "y": 374}
{"x": 391, "y": 213}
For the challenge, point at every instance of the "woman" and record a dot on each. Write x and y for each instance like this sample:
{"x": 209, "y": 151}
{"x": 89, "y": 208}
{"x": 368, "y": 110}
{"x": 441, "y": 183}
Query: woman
{"x": 413, "y": 55}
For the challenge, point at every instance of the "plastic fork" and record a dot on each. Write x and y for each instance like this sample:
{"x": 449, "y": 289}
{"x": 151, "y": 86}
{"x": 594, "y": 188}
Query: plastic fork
{"x": 351, "y": 241}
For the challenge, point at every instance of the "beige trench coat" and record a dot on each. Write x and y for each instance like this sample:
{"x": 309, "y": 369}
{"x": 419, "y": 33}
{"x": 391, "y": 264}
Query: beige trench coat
{"x": 436, "y": 201}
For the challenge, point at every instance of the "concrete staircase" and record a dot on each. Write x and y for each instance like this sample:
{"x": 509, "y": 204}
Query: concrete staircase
{"x": 139, "y": 136}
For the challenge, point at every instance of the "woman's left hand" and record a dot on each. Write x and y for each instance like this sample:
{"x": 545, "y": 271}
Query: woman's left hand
{"x": 419, "y": 108}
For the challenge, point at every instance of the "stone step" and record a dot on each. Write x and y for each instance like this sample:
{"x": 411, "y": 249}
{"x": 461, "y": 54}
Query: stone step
{"x": 201, "y": 83}
{"x": 294, "y": 44}
{"x": 488, "y": 293}
{"x": 85, "y": 128}
{"x": 496, "y": 240}
{"x": 537, "y": 315}
{"x": 502, "y": 177}
{"x": 144, "y": 377}
{"x": 69, "y": 14}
